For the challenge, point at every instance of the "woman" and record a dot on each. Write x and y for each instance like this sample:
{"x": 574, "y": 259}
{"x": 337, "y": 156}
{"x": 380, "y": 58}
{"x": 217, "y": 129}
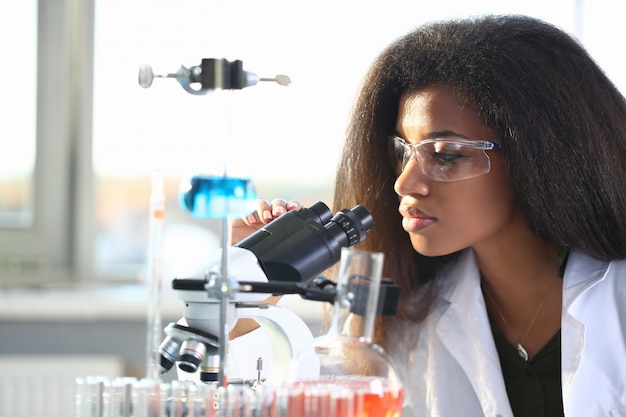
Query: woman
{"x": 506, "y": 146}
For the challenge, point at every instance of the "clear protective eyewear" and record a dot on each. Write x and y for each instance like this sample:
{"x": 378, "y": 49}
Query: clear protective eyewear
{"x": 443, "y": 159}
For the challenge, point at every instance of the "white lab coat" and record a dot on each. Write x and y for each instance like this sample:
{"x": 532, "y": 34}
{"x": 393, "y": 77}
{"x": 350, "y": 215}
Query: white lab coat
{"x": 450, "y": 364}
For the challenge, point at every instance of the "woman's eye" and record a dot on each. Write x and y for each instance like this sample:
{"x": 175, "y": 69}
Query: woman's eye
{"x": 446, "y": 157}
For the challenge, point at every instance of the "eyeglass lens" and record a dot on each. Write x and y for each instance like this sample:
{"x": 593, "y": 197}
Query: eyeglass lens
{"x": 441, "y": 160}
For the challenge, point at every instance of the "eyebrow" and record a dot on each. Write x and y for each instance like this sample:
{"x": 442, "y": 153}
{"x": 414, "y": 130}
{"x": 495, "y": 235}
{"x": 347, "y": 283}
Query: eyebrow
{"x": 438, "y": 134}
{"x": 446, "y": 134}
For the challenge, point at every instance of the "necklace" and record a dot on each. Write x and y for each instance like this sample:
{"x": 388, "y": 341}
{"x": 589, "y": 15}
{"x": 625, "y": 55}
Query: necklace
{"x": 521, "y": 351}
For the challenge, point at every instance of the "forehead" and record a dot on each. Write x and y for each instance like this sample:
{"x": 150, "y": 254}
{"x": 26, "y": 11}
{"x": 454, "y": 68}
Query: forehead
{"x": 428, "y": 111}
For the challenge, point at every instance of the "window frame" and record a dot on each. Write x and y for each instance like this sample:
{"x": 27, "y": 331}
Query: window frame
{"x": 47, "y": 252}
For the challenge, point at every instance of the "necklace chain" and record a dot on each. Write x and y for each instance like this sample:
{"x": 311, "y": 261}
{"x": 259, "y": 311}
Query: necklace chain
{"x": 520, "y": 345}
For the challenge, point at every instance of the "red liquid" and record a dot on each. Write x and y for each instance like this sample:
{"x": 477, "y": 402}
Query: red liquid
{"x": 345, "y": 397}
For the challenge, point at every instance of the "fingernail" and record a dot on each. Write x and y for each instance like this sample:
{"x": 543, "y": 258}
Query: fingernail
{"x": 251, "y": 219}
{"x": 293, "y": 205}
{"x": 267, "y": 215}
{"x": 278, "y": 210}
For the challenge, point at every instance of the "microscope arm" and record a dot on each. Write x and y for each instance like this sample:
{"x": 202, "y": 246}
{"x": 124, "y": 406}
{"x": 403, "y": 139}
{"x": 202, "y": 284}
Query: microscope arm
{"x": 280, "y": 325}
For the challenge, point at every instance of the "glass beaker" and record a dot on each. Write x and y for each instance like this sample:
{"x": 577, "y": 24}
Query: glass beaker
{"x": 346, "y": 359}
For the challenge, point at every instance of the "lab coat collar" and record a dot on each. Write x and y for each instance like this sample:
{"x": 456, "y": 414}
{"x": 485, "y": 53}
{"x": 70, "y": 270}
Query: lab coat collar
{"x": 465, "y": 331}
{"x": 581, "y": 273}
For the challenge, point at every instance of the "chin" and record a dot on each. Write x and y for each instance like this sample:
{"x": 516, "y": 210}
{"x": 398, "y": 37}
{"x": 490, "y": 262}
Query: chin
{"x": 427, "y": 247}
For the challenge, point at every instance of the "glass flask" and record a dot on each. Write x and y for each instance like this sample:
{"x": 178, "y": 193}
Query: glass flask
{"x": 220, "y": 184}
{"x": 218, "y": 194}
{"x": 343, "y": 373}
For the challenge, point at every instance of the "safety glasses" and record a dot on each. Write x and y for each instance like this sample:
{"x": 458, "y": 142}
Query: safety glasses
{"x": 447, "y": 159}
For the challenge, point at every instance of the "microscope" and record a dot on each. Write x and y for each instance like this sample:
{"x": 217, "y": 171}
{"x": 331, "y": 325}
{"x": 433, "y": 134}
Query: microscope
{"x": 284, "y": 257}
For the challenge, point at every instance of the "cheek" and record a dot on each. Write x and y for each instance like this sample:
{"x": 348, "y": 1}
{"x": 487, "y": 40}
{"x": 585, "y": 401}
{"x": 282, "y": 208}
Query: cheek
{"x": 474, "y": 212}
{"x": 491, "y": 209}
{"x": 498, "y": 194}
{"x": 483, "y": 210}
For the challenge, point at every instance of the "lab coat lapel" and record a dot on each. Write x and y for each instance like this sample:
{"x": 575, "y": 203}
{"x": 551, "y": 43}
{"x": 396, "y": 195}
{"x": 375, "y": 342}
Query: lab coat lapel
{"x": 465, "y": 331}
{"x": 582, "y": 273}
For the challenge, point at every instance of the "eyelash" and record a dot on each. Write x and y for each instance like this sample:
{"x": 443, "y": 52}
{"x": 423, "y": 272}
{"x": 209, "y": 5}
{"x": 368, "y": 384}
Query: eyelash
{"x": 447, "y": 158}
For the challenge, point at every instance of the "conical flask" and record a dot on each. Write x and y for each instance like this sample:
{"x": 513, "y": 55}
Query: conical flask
{"x": 343, "y": 373}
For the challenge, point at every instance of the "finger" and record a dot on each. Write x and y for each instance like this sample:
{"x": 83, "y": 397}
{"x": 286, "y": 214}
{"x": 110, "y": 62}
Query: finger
{"x": 294, "y": 205}
{"x": 250, "y": 220}
{"x": 279, "y": 206}
{"x": 264, "y": 211}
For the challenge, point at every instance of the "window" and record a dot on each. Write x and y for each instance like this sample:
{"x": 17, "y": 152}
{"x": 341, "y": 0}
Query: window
{"x": 75, "y": 185}
{"x": 34, "y": 199}
{"x": 19, "y": 100}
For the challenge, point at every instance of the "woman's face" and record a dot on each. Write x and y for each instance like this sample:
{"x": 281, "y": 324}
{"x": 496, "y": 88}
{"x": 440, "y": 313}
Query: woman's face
{"x": 444, "y": 217}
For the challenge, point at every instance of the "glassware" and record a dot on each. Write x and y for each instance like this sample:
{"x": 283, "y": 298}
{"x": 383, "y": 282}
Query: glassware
{"x": 120, "y": 394}
{"x": 99, "y": 396}
{"x": 221, "y": 186}
{"x": 355, "y": 377}
{"x": 91, "y": 394}
{"x": 129, "y": 397}
{"x": 218, "y": 195}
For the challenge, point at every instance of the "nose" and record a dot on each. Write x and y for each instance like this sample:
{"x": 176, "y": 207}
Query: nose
{"x": 412, "y": 180}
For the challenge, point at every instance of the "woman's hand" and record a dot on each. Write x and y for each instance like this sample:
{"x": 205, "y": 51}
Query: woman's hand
{"x": 266, "y": 212}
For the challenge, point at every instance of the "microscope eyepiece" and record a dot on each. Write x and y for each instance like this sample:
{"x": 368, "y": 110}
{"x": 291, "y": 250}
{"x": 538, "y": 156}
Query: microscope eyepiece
{"x": 353, "y": 223}
{"x": 299, "y": 245}
{"x": 318, "y": 212}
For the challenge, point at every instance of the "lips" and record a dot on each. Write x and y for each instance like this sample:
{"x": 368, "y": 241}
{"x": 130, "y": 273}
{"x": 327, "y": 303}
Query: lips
{"x": 414, "y": 220}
